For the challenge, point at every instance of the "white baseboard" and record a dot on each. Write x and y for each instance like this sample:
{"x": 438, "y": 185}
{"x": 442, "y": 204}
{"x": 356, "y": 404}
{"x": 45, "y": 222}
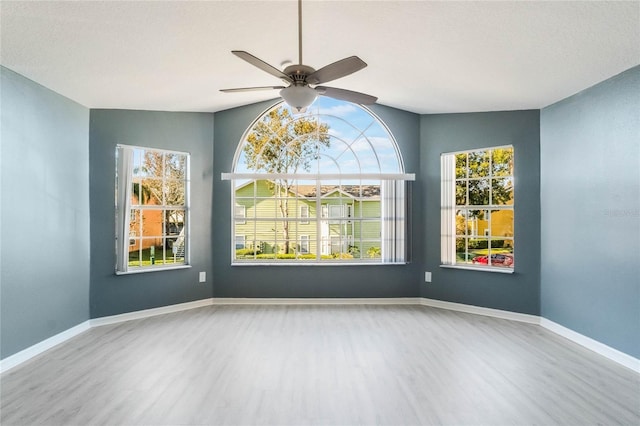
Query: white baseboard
{"x": 32, "y": 351}
{"x": 470, "y": 309}
{"x": 600, "y": 348}
{"x": 146, "y": 313}
{"x": 313, "y": 301}
{"x": 591, "y": 344}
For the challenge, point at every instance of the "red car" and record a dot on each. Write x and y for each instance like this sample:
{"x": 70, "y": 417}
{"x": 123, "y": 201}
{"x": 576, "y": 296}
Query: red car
{"x": 496, "y": 260}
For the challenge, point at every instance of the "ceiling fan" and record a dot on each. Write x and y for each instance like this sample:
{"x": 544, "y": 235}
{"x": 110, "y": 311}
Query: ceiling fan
{"x": 304, "y": 82}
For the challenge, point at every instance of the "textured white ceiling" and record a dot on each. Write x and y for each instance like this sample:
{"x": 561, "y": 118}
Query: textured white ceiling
{"x": 423, "y": 56}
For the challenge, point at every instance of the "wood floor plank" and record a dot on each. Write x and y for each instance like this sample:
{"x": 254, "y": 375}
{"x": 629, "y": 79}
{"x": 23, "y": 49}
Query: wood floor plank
{"x": 319, "y": 365}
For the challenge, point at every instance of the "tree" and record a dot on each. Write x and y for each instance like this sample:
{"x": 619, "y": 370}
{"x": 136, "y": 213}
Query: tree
{"x": 162, "y": 179}
{"x": 484, "y": 178}
{"x": 280, "y": 143}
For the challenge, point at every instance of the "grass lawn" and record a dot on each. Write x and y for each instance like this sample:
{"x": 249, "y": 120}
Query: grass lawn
{"x": 485, "y": 252}
{"x": 134, "y": 259}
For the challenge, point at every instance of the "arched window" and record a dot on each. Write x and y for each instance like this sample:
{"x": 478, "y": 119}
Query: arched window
{"x": 326, "y": 185}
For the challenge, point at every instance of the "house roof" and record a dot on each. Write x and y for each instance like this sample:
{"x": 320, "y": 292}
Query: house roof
{"x": 355, "y": 191}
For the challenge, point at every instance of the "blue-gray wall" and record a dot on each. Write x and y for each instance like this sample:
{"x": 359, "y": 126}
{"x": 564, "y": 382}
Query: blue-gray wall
{"x": 190, "y": 132}
{"x": 307, "y": 280}
{"x": 590, "y": 197}
{"x": 44, "y": 262}
{"x": 517, "y": 292}
{"x": 578, "y": 158}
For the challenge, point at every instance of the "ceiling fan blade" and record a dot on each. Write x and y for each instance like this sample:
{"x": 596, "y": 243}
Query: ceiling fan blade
{"x": 346, "y": 95}
{"x": 336, "y": 70}
{"x": 251, "y": 89}
{"x": 259, "y": 63}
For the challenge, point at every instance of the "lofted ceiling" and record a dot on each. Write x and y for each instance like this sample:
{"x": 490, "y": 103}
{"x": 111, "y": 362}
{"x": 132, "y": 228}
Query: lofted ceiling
{"x": 423, "y": 56}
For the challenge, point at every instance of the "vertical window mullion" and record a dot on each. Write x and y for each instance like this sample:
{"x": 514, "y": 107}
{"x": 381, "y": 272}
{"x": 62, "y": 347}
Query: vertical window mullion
{"x": 255, "y": 219}
{"x": 319, "y": 218}
{"x": 448, "y": 209}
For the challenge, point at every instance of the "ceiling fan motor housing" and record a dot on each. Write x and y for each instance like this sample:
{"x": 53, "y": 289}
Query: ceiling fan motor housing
{"x": 299, "y": 73}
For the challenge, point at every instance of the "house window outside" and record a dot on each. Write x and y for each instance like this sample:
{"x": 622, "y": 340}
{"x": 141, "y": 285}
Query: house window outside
{"x": 240, "y": 242}
{"x": 152, "y": 209}
{"x": 304, "y": 244}
{"x": 304, "y": 214}
{"x": 336, "y": 212}
{"x": 477, "y": 211}
{"x": 241, "y": 213}
{"x": 314, "y": 187}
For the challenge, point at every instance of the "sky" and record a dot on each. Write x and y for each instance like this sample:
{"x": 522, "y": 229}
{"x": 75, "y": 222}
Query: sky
{"x": 359, "y": 142}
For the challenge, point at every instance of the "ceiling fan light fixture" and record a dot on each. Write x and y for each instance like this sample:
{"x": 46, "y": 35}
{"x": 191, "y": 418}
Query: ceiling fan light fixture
{"x": 298, "y": 97}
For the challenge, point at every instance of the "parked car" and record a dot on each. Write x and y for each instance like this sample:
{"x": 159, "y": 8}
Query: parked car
{"x": 496, "y": 260}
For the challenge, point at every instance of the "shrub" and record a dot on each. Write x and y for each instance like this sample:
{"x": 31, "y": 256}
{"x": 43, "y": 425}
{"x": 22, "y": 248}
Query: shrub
{"x": 289, "y": 256}
{"x": 478, "y": 244}
{"x": 374, "y": 252}
{"x": 247, "y": 252}
{"x": 342, "y": 256}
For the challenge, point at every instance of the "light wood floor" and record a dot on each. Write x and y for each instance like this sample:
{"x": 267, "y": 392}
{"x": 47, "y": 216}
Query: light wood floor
{"x": 329, "y": 365}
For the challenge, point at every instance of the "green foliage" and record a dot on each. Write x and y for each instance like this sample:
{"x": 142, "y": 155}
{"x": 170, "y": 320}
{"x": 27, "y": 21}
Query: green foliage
{"x": 162, "y": 177}
{"x": 374, "y": 252}
{"x": 134, "y": 258}
{"x": 160, "y": 180}
{"x": 484, "y": 177}
{"x": 280, "y": 143}
{"x": 480, "y": 243}
{"x": 485, "y": 252}
{"x": 291, "y": 256}
{"x": 247, "y": 252}
{"x": 341, "y": 256}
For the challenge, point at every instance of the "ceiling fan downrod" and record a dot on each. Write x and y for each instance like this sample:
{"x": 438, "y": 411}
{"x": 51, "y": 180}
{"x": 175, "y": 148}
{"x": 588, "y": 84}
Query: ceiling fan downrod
{"x": 305, "y": 82}
{"x": 300, "y": 32}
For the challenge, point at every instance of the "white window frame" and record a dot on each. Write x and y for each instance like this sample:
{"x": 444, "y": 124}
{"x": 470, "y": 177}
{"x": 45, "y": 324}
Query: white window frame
{"x": 370, "y": 169}
{"x": 393, "y": 221}
{"x": 124, "y": 209}
{"x": 449, "y": 208}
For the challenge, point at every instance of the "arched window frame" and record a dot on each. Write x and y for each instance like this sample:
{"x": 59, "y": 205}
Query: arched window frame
{"x": 345, "y": 246}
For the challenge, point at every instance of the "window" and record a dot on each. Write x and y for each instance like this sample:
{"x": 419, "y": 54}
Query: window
{"x": 152, "y": 209}
{"x": 241, "y": 213}
{"x": 304, "y": 214}
{"x": 304, "y": 244}
{"x": 336, "y": 212}
{"x": 240, "y": 242}
{"x": 327, "y": 185}
{"x": 477, "y": 212}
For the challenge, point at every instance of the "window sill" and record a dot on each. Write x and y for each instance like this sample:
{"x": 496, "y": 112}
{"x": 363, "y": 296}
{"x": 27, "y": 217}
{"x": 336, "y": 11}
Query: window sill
{"x": 326, "y": 263}
{"x": 481, "y": 268}
{"x": 155, "y": 269}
